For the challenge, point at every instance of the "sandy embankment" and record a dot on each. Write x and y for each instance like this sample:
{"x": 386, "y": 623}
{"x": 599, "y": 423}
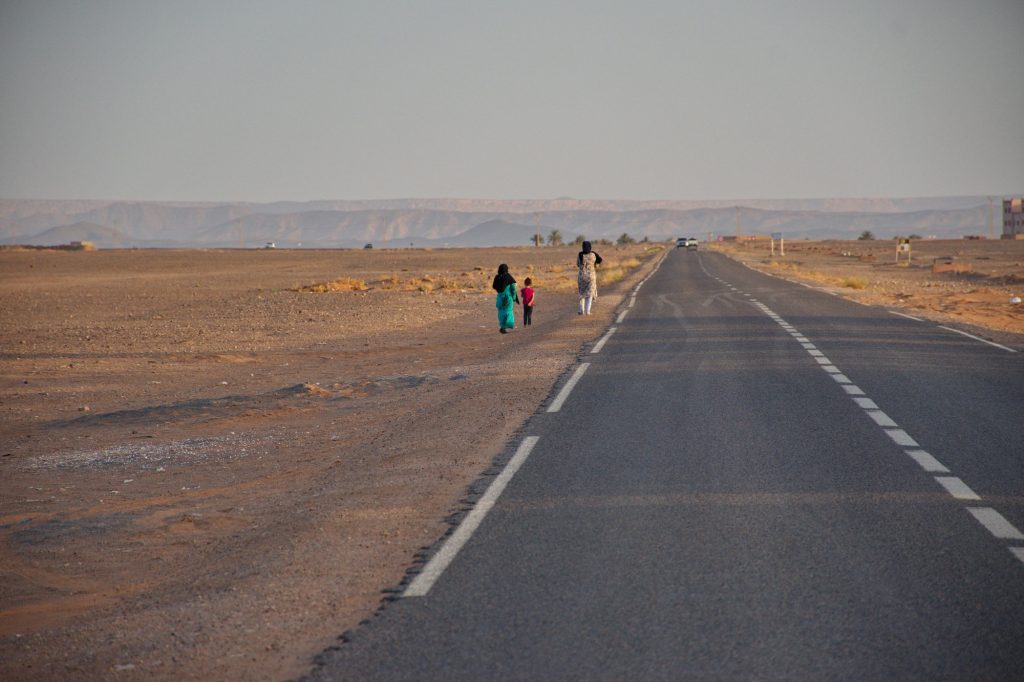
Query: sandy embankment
{"x": 210, "y": 475}
{"x": 977, "y": 298}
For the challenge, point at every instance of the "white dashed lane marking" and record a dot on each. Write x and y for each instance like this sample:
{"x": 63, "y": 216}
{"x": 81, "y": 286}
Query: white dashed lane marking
{"x": 996, "y": 523}
{"x": 927, "y": 462}
{"x": 901, "y": 437}
{"x": 991, "y": 519}
{"x": 881, "y": 418}
{"x": 957, "y": 488}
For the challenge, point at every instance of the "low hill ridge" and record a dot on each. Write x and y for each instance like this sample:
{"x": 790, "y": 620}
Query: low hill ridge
{"x": 332, "y": 224}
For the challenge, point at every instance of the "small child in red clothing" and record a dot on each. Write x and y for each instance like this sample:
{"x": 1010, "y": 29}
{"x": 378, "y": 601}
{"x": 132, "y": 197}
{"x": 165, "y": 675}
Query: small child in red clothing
{"x": 527, "y": 292}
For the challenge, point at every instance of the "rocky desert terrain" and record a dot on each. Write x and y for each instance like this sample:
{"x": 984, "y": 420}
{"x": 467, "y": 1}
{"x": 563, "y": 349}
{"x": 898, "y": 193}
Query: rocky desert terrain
{"x": 214, "y": 462}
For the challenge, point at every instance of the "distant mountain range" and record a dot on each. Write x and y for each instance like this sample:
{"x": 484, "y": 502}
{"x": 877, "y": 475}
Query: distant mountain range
{"x": 475, "y": 222}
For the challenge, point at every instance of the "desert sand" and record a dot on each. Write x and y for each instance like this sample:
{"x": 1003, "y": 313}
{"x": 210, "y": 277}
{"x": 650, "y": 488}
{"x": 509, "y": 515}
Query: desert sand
{"x": 216, "y": 462}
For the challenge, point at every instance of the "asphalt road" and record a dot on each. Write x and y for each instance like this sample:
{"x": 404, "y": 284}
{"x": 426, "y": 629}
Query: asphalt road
{"x": 750, "y": 479}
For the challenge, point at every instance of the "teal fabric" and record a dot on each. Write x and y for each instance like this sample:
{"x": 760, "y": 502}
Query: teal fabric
{"x": 505, "y": 302}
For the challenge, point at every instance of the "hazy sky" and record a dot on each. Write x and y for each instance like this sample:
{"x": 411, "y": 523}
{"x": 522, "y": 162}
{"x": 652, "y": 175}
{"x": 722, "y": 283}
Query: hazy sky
{"x": 638, "y": 99}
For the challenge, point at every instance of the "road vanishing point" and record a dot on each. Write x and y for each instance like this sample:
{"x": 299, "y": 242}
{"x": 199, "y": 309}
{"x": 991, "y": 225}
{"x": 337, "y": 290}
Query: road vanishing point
{"x": 744, "y": 478}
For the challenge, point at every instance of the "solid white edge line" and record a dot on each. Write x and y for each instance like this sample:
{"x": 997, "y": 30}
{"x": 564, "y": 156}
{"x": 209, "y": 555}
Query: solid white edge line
{"x": 621, "y": 317}
{"x": 604, "y": 339}
{"x": 957, "y": 488}
{"x": 927, "y": 462}
{"x": 1018, "y": 552}
{"x": 632, "y": 301}
{"x": 909, "y": 317}
{"x": 556, "y": 404}
{"x": 977, "y": 338}
{"x": 422, "y": 583}
{"x": 995, "y": 523}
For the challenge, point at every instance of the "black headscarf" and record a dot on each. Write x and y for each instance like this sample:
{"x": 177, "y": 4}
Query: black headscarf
{"x": 587, "y": 248}
{"x": 502, "y": 279}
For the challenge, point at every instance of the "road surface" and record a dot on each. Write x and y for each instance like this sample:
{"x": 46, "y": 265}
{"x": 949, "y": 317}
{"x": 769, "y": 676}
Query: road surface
{"x": 746, "y": 479}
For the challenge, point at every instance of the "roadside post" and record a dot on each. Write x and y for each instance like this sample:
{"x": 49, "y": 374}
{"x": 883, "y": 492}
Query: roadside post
{"x": 902, "y": 246}
{"x": 777, "y": 236}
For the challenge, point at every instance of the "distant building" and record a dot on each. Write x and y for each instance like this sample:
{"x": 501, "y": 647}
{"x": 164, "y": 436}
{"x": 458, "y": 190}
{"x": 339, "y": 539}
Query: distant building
{"x": 1013, "y": 218}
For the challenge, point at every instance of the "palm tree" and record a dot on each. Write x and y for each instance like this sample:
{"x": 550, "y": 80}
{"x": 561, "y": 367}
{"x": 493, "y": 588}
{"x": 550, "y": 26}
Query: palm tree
{"x": 554, "y": 238}
{"x": 866, "y": 235}
{"x": 624, "y": 239}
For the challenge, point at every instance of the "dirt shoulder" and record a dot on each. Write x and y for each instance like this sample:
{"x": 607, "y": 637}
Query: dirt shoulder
{"x": 210, "y": 474}
{"x": 969, "y": 283}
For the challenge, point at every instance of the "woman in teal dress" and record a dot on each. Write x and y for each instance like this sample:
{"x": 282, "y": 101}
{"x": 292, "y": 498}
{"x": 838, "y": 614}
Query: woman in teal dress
{"x": 505, "y": 285}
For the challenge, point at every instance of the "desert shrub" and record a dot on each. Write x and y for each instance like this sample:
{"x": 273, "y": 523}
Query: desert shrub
{"x": 854, "y": 282}
{"x": 340, "y": 284}
{"x": 389, "y": 282}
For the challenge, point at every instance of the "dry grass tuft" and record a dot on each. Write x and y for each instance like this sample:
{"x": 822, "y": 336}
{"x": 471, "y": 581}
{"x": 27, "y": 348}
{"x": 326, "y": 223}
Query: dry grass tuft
{"x": 611, "y": 275}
